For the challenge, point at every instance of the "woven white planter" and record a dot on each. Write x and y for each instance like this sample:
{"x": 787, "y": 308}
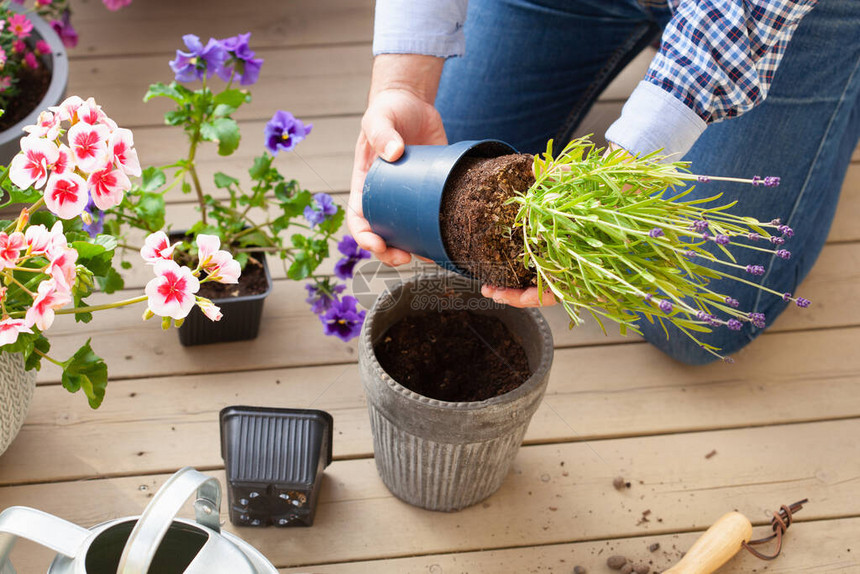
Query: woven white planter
{"x": 16, "y": 391}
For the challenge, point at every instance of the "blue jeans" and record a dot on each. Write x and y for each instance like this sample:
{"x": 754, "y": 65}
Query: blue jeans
{"x": 533, "y": 68}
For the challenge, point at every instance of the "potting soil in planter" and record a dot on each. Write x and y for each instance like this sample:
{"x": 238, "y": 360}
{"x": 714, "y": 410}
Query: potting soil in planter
{"x": 455, "y": 356}
{"x": 476, "y": 221}
{"x": 33, "y": 85}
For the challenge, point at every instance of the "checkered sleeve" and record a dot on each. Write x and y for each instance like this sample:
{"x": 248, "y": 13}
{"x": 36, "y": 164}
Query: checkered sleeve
{"x": 718, "y": 57}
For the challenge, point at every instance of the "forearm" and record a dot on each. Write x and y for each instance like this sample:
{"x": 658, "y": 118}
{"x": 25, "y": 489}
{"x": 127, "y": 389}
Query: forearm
{"x": 415, "y": 73}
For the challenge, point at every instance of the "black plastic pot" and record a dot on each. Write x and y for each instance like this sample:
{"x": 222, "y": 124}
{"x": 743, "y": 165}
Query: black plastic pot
{"x": 274, "y": 460}
{"x": 59, "y": 64}
{"x": 241, "y": 316}
{"x": 401, "y": 200}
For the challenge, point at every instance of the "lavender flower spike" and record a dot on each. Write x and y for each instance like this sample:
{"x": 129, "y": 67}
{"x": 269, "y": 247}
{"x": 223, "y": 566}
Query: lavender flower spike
{"x": 722, "y": 239}
{"x": 755, "y": 269}
{"x": 756, "y": 180}
{"x": 703, "y": 179}
{"x": 734, "y": 324}
{"x": 665, "y": 306}
{"x": 655, "y": 233}
{"x": 732, "y": 302}
{"x": 804, "y": 303}
{"x": 777, "y": 240}
{"x": 786, "y": 297}
{"x": 771, "y": 181}
{"x": 783, "y": 254}
{"x": 700, "y": 226}
{"x": 786, "y": 231}
{"x": 758, "y": 319}
{"x": 753, "y": 236}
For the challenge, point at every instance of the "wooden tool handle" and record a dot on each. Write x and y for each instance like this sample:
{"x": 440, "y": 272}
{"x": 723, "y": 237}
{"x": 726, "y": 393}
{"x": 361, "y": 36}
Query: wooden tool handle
{"x": 714, "y": 548}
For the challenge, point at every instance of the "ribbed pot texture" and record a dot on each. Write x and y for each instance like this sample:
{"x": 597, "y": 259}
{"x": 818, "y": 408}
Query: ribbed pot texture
{"x": 16, "y": 391}
{"x": 442, "y": 455}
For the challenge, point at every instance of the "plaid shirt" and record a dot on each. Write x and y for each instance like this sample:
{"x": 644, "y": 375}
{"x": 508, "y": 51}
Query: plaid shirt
{"x": 716, "y": 61}
{"x": 719, "y": 57}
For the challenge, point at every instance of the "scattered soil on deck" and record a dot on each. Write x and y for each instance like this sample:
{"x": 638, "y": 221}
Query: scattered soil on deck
{"x": 476, "y": 222}
{"x": 455, "y": 356}
{"x": 33, "y": 85}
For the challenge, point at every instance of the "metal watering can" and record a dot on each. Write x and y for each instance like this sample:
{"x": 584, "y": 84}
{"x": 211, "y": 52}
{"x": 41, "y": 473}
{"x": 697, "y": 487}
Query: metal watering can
{"x": 156, "y": 541}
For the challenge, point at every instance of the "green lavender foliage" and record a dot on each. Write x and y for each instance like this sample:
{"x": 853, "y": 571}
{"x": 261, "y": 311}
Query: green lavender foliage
{"x": 587, "y": 225}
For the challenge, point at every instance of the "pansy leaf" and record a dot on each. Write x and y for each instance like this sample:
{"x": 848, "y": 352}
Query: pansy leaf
{"x": 163, "y": 90}
{"x": 222, "y": 180}
{"x": 224, "y": 132}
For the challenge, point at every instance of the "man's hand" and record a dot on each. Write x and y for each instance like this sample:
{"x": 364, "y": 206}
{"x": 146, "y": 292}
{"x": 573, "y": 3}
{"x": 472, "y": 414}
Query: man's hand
{"x": 518, "y": 297}
{"x": 400, "y": 111}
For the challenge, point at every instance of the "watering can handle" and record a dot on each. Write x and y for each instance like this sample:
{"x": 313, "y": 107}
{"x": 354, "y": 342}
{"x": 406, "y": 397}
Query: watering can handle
{"x": 152, "y": 525}
{"x": 40, "y": 527}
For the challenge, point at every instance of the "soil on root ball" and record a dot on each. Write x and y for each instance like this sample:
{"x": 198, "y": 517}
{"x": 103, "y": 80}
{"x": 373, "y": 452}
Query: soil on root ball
{"x": 32, "y": 85}
{"x": 456, "y": 356}
{"x": 477, "y": 224}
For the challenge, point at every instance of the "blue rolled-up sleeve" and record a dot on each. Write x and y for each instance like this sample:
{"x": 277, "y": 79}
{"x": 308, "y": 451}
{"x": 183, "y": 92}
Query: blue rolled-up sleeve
{"x": 429, "y": 27}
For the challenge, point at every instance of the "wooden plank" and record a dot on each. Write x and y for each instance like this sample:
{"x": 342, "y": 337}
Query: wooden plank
{"x": 815, "y": 547}
{"x": 594, "y": 393}
{"x": 556, "y": 493}
{"x": 273, "y": 23}
{"x": 307, "y": 81}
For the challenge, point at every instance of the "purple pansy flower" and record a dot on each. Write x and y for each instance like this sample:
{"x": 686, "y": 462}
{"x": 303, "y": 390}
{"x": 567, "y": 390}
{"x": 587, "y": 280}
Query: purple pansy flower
{"x": 199, "y": 61}
{"x": 321, "y": 208}
{"x": 241, "y": 61}
{"x": 343, "y": 319}
{"x": 284, "y": 131}
{"x": 321, "y": 300}
{"x": 65, "y": 31}
{"x": 352, "y": 255}
{"x": 98, "y": 219}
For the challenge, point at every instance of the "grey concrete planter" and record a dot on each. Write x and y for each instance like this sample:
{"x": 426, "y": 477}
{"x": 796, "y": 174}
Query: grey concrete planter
{"x": 441, "y": 455}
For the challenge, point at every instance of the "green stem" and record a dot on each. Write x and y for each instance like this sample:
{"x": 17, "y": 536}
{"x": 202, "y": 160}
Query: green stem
{"x": 91, "y": 308}
{"x": 45, "y": 356}
{"x": 192, "y": 169}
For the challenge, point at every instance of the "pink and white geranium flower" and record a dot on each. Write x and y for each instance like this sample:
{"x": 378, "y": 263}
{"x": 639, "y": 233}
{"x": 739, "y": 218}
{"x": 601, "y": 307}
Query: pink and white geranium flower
{"x": 40, "y": 240}
{"x": 66, "y": 195}
{"x": 157, "y": 247}
{"x": 121, "y": 146}
{"x": 210, "y": 309}
{"x": 65, "y": 161}
{"x": 62, "y": 268}
{"x": 89, "y": 146}
{"x": 223, "y": 268}
{"x": 207, "y": 246}
{"x": 67, "y": 109}
{"x": 107, "y": 187}
{"x": 31, "y": 166}
{"x": 10, "y": 329}
{"x": 10, "y": 248}
{"x": 47, "y": 126}
{"x": 171, "y": 293}
{"x": 48, "y": 298}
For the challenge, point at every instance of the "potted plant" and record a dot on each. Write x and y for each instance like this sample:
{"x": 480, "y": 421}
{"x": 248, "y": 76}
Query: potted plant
{"x": 52, "y": 257}
{"x": 35, "y": 72}
{"x": 452, "y": 380}
{"x": 603, "y": 233}
{"x": 250, "y": 222}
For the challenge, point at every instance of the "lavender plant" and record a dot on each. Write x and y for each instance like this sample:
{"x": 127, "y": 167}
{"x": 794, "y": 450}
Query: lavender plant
{"x": 605, "y": 234}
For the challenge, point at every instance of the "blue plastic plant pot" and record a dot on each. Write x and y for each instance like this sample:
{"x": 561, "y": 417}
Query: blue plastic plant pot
{"x": 402, "y": 199}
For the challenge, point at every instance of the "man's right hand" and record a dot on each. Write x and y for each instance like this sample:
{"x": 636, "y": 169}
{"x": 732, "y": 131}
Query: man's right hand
{"x": 399, "y": 112}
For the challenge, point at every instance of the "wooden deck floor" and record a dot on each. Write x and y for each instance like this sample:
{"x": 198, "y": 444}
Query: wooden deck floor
{"x": 779, "y": 426}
